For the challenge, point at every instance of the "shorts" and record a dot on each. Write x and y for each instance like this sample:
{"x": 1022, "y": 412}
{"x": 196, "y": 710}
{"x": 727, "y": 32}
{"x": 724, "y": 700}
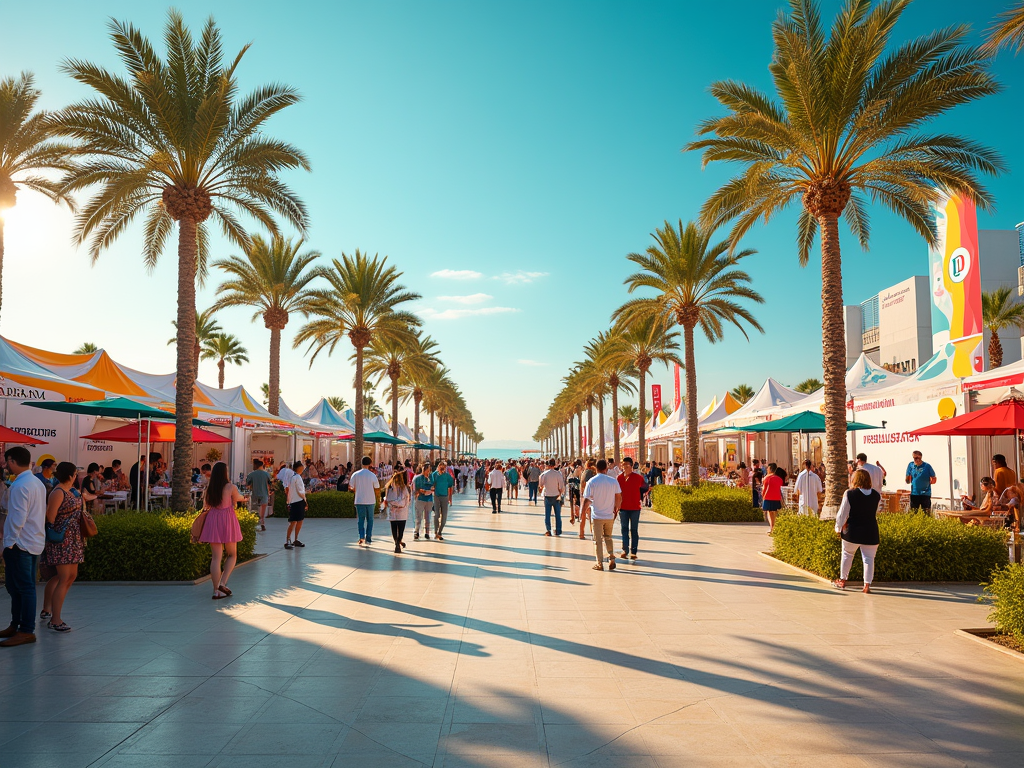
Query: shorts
{"x": 257, "y": 500}
{"x": 296, "y": 512}
{"x": 772, "y": 506}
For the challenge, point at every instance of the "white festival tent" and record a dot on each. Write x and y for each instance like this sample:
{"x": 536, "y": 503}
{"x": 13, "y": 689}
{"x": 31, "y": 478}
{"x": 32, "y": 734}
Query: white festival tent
{"x": 771, "y": 395}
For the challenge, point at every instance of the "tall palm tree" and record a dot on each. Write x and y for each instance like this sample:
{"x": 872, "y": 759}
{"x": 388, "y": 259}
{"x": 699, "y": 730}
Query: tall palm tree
{"x": 337, "y": 402}
{"x": 999, "y": 312}
{"x": 848, "y": 124}
{"x": 224, "y": 348}
{"x": 86, "y": 348}
{"x": 742, "y": 393}
{"x": 176, "y": 142}
{"x": 1007, "y": 30}
{"x": 628, "y": 414}
{"x": 644, "y": 341}
{"x": 27, "y": 150}
{"x": 436, "y": 390}
{"x": 361, "y": 304}
{"x": 617, "y": 371}
{"x": 807, "y": 386}
{"x": 697, "y": 285}
{"x": 207, "y": 329}
{"x": 391, "y": 358}
{"x": 410, "y": 385}
{"x": 272, "y": 277}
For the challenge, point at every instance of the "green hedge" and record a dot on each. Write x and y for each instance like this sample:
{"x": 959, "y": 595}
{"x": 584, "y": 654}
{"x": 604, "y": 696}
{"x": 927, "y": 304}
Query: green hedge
{"x": 707, "y": 503}
{"x": 1006, "y": 590}
{"x": 319, "y": 504}
{"x": 148, "y": 546}
{"x": 914, "y": 547}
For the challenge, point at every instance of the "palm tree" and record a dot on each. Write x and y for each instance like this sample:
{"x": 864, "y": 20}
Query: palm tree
{"x": 265, "y": 391}
{"x": 436, "y": 389}
{"x": 628, "y": 414}
{"x": 617, "y": 372}
{"x": 411, "y": 384}
{"x": 697, "y": 284}
{"x": 847, "y": 124}
{"x": 361, "y": 304}
{"x": 272, "y": 277}
{"x": 337, "y": 402}
{"x": 998, "y": 312}
{"x": 1007, "y": 31}
{"x": 175, "y": 141}
{"x": 742, "y": 393}
{"x": 371, "y": 407}
{"x": 86, "y": 348}
{"x": 225, "y": 348}
{"x": 207, "y": 329}
{"x": 27, "y": 150}
{"x": 807, "y": 386}
{"x": 389, "y": 357}
{"x": 645, "y": 341}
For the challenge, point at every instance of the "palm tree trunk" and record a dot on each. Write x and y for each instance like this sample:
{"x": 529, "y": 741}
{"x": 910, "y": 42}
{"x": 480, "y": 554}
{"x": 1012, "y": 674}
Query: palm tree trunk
{"x": 995, "y": 348}
{"x": 590, "y": 428}
{"x": 572, "y": 447}
{"x": 692, "y": 438}
{"x": 181, "y": 472}
{"x": 616, "y": 454}
{"x": 579, "y": 419}
{"x": 833, "y": 364}
{"x": 394, "y": 418}
{"x": 431, "y": 459}
{"x": 359, "y": 409}
{"x": 274, "y": 396}
{"x": 416, "y": 399}
{"x": 600, "y": 426}
{"x": 220, "y": 373}
{"x": 641, "y": 448}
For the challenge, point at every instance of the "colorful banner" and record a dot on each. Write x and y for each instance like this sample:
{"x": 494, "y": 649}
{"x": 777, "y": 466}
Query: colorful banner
{"x": 656, "y": 398}
{"x": 678, "y": 397}
{"x": 956, "y": 285}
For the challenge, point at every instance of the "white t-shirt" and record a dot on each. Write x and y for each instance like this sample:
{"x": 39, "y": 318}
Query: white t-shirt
{"x": 552, "y": 483}
{"x": 496, "y": 478}
{"x": 602, "y": 490}
{"x": 809, "y": 485}
{"x": 614, "y": 472}
{"x": 285, "y": 476}
{"x": 296, "y": 489}
{"x": 876, "y": 475}
{"x": 363, "y": 483}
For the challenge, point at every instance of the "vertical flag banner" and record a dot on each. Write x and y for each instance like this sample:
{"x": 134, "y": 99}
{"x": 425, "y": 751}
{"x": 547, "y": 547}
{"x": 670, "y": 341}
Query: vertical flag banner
{"x": 956, "y": 285}
{"x": 678, "y": 398}
{"x": 656, "y": 399}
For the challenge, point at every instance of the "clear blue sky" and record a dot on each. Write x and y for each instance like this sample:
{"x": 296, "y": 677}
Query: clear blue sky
{"x": 539, "y": 141}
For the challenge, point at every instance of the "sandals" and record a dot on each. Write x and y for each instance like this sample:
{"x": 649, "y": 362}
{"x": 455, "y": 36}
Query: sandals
{"x": 218, "y": 596}
{"x": 598, "y": 567}
{"x": 867, "y": 589}
{"x": 62, "y": 627}
{"x": 225, "y": 590}
{"x": 45, "y": 615}
{"x": 839, "y": 583}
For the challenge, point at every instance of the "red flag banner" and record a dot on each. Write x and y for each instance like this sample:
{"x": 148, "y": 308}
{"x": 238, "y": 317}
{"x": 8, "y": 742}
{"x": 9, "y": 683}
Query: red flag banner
{"x": 678, "y": 398}
{"x": 656, "y": 398}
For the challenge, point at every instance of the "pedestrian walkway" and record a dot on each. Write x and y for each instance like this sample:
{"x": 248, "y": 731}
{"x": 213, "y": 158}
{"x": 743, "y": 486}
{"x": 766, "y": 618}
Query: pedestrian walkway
{"x": 501, "y": 647}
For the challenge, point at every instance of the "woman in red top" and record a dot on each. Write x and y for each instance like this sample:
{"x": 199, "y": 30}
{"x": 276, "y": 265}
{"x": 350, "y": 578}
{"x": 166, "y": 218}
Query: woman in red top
{"x": 771, "y": 493}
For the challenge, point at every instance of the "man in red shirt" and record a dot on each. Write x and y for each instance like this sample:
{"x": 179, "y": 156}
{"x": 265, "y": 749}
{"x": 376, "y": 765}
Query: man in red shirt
{"x": 631, "y": 484}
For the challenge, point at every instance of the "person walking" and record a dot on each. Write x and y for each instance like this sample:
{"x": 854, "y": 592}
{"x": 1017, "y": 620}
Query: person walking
{"x": 296, "y": 497}
{"x": 423, "y": 486}
{"x": 24, "y": 540}
{"x": 259, "y": 490}
{"x": 553, "y": 485}
{"x": 921, "y": 478}
{"x": 480, "y": 478}
{"x": 601, "y": 499}
{"x": 65, "y": 548}
{"x": 512, "y": 481}
{"x": 631, "y": 486}
{"x": 808, "y": 485}
{"x": 756, "y": 476}
{"x": 573, "y": 483}
{"x": 857, "y": 526}
{"x": 533, "y": 474}
{"x": 444, "y": 484}
{"x": 366, "y": 486}
{"x": 771, "y": 490}
{"x": 495, "y": 485}
{"x": 397, "y": 498}
{"x": 221, "y": 529}
{"x": 588, "y": 474}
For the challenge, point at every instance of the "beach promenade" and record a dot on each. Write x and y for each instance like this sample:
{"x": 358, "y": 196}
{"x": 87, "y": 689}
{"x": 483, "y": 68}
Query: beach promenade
{"x": 501, "y": 647}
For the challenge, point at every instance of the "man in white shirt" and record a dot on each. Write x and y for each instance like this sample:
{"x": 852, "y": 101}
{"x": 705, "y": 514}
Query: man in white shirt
{"x": 24, "y": 539}
{"x": 876, "y": 472}
{"x": 808, "y": 485}
{"x": 613, "y": 470}
{"x": 496, "y": 484}
{"x": 552, "y": 485}
{"x": 366, "y": 486}
{"x": 295, "y": 491}
{"x": 284, "y": 474}
{"x": 602, "y": 497}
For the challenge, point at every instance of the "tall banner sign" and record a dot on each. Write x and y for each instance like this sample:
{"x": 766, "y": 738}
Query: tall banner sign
{"x": 678, "y": 397}
{"x": 956, "y": 285}
{"x": 656, "y": 399}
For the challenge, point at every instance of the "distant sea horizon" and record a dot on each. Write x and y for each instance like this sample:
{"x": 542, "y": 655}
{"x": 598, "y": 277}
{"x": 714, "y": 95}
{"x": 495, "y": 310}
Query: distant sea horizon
{"x": 502, "y": 453}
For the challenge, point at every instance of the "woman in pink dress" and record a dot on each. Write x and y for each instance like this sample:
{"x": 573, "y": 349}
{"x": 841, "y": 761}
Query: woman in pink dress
{"x": 221, "y": 529}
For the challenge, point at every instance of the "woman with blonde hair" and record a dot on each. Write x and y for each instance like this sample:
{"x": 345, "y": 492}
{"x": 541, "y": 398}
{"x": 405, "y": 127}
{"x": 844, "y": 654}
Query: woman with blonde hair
{"x": 857, "y": 526}
{"x": 397, "y": 497}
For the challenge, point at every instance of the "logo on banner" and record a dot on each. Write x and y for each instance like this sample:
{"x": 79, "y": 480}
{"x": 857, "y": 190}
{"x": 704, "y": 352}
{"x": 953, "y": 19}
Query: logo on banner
{"x": 959, "y": 264}
{"x": 656, "y": 398}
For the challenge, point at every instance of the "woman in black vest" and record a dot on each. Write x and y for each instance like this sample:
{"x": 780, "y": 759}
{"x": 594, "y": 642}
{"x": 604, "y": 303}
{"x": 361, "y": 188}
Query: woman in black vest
{"x": 857, "y": 526}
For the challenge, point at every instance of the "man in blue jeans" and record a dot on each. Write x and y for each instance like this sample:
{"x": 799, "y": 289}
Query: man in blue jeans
{"x": 443, "y": 485}
{"x": 553, "y": 485}
{"x": 533, "y": 481}
{"x": 366, "y": 487}
{"x": 24, "y": 539}
{"x": 630, "y": 486}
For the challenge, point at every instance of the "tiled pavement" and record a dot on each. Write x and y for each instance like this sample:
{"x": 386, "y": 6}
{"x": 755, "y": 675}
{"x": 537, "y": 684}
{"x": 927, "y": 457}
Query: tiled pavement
{"x": 501, "y": 647}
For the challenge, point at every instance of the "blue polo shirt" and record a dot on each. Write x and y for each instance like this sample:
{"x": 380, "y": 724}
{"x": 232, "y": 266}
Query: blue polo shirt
{"x": 443, "y": 483}
{"x": 920, "y": 478}
{"x": 424, "y": 487}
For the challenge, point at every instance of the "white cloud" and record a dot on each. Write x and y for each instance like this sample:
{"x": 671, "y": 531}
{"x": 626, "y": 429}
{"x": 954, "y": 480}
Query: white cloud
{"x": 457, "y": 274}
{"x": 458, "y": 314}
{"x": 520, "y": 276}
{"x": 473, "y": 298}
{"x": 531, "y": 363}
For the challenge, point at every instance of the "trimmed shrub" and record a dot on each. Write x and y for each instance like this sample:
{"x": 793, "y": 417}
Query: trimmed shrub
{"x": 148, "y": 546}
{"x": 1006, "y": 590}
{"x": 707, "y": 503}
{"x": 319, "y": 504}
{"x": 914, "y": 547}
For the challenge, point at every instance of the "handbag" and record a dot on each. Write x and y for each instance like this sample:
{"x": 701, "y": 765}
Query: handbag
{"x": 197, "y": 526}
{"x": 53, "y": 535}
{"x": 87, "y": 525}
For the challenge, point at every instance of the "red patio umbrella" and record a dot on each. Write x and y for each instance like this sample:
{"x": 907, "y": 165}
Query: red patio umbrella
{"x": 159, "y": 432}
{"x": 8, "y": 435}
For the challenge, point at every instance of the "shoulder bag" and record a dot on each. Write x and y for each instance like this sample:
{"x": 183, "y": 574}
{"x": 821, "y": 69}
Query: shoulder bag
{"x": 87, "y": 525}
{"x": 53, "y": 534}
{"x": 197, "y": 526}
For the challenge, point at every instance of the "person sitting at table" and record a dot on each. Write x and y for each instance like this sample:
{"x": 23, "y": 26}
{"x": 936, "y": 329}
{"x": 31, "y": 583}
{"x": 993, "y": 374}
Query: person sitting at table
{"x": 92, "y": 484}
{"x": 973, "y": 513}
{"x": 204, "y": 475}
{"x": 119, "y": 476}
{"x": 1011, "y": 501}
{"x": 109, "y": 480}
